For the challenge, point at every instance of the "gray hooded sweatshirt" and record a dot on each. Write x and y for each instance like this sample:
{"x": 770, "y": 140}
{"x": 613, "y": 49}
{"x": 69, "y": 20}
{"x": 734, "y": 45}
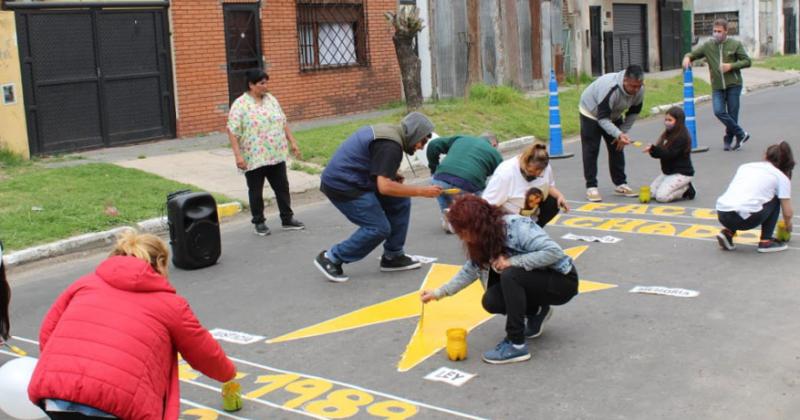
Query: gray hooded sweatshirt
{"x": 605, "y": 100}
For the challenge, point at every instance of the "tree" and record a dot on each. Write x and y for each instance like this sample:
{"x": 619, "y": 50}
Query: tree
{"x": 407, "y": 25}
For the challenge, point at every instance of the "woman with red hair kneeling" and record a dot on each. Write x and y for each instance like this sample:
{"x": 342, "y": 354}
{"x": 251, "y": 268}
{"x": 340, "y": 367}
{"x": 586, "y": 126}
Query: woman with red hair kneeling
{"x": 528, "y": 272}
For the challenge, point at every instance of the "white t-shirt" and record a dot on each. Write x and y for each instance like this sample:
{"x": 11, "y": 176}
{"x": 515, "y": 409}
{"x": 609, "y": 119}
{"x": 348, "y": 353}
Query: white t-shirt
{"x": 507, "y": 187}
{"x": 754, "y": 185}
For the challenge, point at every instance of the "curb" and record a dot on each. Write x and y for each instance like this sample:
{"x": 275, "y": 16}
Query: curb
{"x": 96, "y": 240}
{"x": 658, "y": 109}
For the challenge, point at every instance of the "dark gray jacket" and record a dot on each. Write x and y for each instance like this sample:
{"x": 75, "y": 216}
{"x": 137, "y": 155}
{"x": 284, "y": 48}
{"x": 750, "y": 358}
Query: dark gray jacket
{"x": 605, "y": 100}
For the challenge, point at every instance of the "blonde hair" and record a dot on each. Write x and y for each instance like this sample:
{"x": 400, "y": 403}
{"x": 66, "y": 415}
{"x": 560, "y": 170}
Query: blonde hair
{"x": 144, "y": 246}
{"x": 536, "y": 154}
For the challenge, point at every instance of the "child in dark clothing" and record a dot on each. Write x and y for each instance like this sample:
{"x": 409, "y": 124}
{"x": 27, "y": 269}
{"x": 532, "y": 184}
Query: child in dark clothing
{"x": 674, "y": 149}
{"x": 533, "y": 197}
{"x": 5, "y": 298}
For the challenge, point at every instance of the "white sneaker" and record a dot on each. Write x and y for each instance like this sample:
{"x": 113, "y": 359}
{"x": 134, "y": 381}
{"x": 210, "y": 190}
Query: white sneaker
{"x": 593, "y": 194}
{"x": 625, "y": 190}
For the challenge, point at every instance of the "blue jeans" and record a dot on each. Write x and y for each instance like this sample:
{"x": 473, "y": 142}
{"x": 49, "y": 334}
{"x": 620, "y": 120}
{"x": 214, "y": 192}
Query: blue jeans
{"x": 726, "y": 109}
{"x": 445, "y": 200}
{"x": 767, "y": 218}
{"x": 379, "y": 218}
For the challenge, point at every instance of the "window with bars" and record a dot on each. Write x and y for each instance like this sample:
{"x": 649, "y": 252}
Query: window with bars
{"x": 331, "y": 34}
{"x": 704, "y": 22}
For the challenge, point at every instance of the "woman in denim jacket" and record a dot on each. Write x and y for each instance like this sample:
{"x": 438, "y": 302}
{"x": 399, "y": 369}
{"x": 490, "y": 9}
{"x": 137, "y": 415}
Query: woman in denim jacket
{"x": 528, "y": 272}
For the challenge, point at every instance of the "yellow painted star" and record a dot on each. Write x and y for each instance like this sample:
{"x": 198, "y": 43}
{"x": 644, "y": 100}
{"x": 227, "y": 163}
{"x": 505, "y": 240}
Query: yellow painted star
{"x": 463, "y": 310}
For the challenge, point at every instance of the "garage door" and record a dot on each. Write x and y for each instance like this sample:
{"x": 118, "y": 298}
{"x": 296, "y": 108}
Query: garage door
{"x": 95, "y": 78}
{"x": 630, "y": 35}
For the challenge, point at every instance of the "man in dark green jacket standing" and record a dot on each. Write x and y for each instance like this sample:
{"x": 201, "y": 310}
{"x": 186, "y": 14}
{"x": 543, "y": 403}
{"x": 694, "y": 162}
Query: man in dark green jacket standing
{"x": 469, "y": 161}
{"x": 726, "y": 58}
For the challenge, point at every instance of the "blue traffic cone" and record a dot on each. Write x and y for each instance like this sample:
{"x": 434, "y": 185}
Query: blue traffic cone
{"x": 688, "y": 109}
{"x": 556, "y": 144}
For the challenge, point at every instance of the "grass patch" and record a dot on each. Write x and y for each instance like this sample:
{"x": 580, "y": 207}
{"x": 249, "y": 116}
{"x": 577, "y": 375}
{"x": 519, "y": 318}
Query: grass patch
{"x": 309, "y": 169}
{"x": 502, "y": 110}
{"x": 74, "y": 200}
{"x": 780, "y": 62}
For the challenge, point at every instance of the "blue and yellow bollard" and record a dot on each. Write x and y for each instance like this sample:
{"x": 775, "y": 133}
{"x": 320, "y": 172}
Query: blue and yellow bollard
{"x": 688, "y": 109}
{"x": 556, "y": 141}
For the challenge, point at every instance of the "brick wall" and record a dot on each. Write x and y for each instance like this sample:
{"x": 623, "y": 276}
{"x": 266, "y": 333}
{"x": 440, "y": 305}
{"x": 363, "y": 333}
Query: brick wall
{"x": 201, "y": 75}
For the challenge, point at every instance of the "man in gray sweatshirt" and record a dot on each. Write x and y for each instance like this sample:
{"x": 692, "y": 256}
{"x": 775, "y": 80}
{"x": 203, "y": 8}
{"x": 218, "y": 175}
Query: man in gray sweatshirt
{"x": 602, "y": 106}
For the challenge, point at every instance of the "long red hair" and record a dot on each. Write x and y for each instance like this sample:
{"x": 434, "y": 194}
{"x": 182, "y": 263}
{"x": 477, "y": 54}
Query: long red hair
{"x": 480, "y": 226}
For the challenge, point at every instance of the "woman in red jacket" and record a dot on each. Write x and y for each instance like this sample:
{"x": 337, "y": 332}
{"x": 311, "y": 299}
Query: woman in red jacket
{"x": 110, "y": 342}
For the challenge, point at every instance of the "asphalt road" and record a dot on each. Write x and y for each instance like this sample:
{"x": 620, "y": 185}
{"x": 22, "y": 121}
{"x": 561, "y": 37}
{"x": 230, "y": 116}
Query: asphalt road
{"x": 732, "y": 352}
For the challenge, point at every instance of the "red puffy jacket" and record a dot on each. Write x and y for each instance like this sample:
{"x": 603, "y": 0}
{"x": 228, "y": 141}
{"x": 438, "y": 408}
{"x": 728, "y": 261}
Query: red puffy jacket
{"x": 111, "y": 341}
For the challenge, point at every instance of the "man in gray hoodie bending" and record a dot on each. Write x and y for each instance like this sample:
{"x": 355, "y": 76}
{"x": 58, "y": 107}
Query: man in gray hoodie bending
{"x": 602, "y": 106}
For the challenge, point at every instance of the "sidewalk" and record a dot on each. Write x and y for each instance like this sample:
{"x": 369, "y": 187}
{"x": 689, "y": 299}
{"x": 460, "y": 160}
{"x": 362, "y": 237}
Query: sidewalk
{"x": 207, "y": 161}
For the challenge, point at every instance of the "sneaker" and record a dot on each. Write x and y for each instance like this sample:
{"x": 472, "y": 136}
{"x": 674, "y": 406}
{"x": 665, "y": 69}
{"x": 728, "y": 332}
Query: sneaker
{"x": 592, "y": 194}
{"x": 535, "y": 323}
{"x": 399, "y": 263}
{"x": 690, "y": 193}
{"x": 624, "y": 189}
{"x": 771, "y": 245}
{"x": 332, "y": 271}
{"x": 505, "y": 352}
{"x": 446, "y": 226}
{"x": 725, "y": 239}
{"x": 737, "y": 145}
{"x": 726, "y": 143}
{"x": 262, "y": 229}
{"x": 293, "y": 224}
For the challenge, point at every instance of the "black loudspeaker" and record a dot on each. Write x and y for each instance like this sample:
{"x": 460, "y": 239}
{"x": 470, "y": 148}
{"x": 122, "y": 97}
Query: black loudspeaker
{"x": 193, "y": 229}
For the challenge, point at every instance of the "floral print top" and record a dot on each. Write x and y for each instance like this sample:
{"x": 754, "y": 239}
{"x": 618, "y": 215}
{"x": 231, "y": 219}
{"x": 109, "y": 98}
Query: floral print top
{"x": 260, "y": 130}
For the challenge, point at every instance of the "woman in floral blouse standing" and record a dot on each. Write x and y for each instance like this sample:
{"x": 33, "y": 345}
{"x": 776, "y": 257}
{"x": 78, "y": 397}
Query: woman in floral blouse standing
{"x": 260, "y": 139}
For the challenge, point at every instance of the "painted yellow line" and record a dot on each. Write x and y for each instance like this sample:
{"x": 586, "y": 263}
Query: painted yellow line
{"x": 650, "y": 227}
{"x": 646, "y": 209}
{"x": 228, "y": 209}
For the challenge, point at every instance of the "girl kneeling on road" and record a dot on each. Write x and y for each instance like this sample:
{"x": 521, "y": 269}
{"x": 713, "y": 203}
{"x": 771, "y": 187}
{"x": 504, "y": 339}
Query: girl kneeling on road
{"x": 110, "y": 342}
{"x": 756, "y": 196}
{"x": 528, "y": 272}
{"x": 674, "y": 149}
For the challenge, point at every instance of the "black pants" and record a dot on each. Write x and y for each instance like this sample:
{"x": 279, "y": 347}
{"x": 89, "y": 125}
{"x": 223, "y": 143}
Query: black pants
{"x": 517, "y": 292}
{"x": 591, "y": 133}
{"x": 548, "y": 209}
{"x": 767, "y": 218}
{"x": 278, "y": 180}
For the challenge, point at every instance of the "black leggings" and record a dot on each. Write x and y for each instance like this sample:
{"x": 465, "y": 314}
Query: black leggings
{"x": 517, "y": 292}
{"x": 767, "y": 218}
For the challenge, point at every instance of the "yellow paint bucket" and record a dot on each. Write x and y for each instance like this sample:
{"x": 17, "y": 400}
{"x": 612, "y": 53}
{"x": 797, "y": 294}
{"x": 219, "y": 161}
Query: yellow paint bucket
{"x": 781, "y": 233}
{"x": 231, "y": 396}
{"x": 456, "y": 344}
{"x": 644, "y": 194}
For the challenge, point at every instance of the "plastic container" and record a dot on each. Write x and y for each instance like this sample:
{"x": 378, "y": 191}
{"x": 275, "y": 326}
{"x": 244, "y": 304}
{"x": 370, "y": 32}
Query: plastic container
{"x": 231, "y": 396}
{"x": 781, "y": 233}
{"x": 644, "y": 194}
{"x": 456, "y": 344}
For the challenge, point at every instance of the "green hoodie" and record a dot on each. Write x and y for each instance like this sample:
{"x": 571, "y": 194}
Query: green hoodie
{"x": 729, "y": 51}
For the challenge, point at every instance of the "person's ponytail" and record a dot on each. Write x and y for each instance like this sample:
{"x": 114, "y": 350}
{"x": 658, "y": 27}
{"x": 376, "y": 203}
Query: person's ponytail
{"x": 780, "y": 155}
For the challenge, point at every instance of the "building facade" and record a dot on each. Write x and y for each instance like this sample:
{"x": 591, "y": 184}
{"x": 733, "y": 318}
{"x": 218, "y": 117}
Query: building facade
{"x": 126, "y": 71}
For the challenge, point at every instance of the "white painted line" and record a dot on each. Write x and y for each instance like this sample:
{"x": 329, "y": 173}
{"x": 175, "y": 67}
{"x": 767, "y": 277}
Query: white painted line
{"x": 8, "y": 353}
{"x": 25, "y": 340}
{"x": 267, "y": 403}
{"x": 428, "y": 406}
{"x": 220, "y": 412}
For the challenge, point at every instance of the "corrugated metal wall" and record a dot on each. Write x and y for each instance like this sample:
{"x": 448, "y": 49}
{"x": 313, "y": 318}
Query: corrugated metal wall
{"x": 505, "y": 42}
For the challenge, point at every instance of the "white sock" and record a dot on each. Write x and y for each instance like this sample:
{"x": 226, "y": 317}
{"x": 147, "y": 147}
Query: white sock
{"x": 518, "y": 346}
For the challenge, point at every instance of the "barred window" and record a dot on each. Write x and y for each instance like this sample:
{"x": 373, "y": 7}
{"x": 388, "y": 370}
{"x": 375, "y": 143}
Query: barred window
{"x": 331, "y": 34}
{"x": 704, "y": 22}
